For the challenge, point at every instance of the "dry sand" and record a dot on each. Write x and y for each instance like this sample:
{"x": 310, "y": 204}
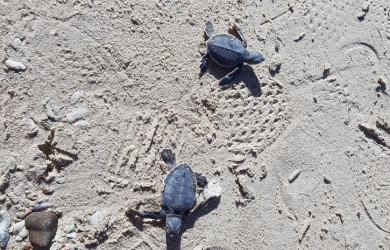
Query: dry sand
{"x": 301, "y": 153}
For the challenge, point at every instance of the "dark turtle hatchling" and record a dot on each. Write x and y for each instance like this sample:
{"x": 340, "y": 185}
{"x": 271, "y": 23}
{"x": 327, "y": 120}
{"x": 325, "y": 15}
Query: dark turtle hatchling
{"x": 178, "y": 196}
{"x": 228, "y": 51}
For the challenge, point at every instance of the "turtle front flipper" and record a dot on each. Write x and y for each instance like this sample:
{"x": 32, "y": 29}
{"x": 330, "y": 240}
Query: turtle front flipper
{"x": 204, "y": 64}
{"x": 209, "y": 29}
{"x": 241, "y": 35}
{"x": 154, "y": 215}
{"x": 231, "y": 76}
{"x": 201, "y": 180}
{"x": 169, "y": 158}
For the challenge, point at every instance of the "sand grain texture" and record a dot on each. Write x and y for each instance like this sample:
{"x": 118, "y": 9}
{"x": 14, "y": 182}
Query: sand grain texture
{"x": 109, "y": 84}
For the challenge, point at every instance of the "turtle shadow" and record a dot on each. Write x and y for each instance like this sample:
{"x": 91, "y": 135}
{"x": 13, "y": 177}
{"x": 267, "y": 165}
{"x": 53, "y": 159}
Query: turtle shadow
{"x": 189, "y": 222}
{"x": 248, "y": 77}
{"x": 139, "y": 222}
{"x": 251, "y": 81}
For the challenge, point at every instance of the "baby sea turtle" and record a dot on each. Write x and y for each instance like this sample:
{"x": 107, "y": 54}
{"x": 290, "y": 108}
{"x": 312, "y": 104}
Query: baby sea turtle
{"x": 228, "y": 51}
{"x": 178, "y": 196}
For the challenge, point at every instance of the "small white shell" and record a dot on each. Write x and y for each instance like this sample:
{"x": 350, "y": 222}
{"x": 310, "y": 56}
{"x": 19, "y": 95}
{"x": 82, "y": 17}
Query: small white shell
{"x": 212, "y": 189}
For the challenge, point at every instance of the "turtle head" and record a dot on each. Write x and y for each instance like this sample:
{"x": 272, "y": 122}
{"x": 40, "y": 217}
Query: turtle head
{"x": 253, "y": 57}
{"x": 173, "y": 225}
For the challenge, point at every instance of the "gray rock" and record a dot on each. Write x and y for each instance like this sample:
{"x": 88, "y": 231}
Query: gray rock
{"x": 4, "y": 228}
{"x": 20, "y": 215}
{"x": 41, "y": 206}
{"x": 11, "y": 164}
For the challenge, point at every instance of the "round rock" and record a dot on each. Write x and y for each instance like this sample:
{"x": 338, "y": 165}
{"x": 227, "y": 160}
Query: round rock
{"x": 42, "y": 228}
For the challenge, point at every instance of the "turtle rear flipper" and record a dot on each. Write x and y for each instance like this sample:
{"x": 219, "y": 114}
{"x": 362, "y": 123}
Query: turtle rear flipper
{"x": 209, "y": 29}
{"x": 201, "y": 180}
{"x": 169, "y": 158}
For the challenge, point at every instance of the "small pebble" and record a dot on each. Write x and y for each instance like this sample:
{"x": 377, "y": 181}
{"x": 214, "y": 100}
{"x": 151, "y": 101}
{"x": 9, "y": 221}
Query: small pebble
{"x": 20, "y": 168}
{"x": 47, "y": 191}
{"x": 46, "y": 124}
{"x": 299, "y": 37}
{"x": 361, "y": 14}
{"x": 77, "y": 114}
{"x": 327, "y": 66}
{"x": 14, "y": 65}
{"x": 294, "y": 175}
{"x": 96, "y": 218}
{"x": 70, "y": 227}
{"x": 81, "y": 125}
{"x": 61, "y": 159}
{"x": 60, "y": 180}
{"x": 26, "y": 247}
{"x": 32, "y": 196}
{"x": 18, "y": 238}
{"x": 277, "y": 46}
{"x": 263, "y": 172}
{"x": 42, "y": 228}
{"x": 3, "y": 198}
{"x": 365, "y": 6}
{"x": 72, "y": 235}
{"x": 27, "y": 211}
{"x": 261, "y": 35}
{"x": 56, "y": 246}
{"x": 11, "y": 164}
{"x": 17, "y": 227}
{"x": 13, "y": 198}
{"x": 31, "y": 124}
{"x": 76, "y": 97}
{"x": 50, "y": 112}
{"x": 23, "y": 233}
{"x": 41, "y": 206}
{"x": 20, "y": 215}
{"x": 17, "y": 43}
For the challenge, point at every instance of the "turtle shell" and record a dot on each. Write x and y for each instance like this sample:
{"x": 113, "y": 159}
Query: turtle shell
{"x": 225, "y": 49}
{"x": 180, "y": 189}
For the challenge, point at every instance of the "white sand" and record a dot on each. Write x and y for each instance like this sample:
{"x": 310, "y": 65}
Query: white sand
{"x": 326, "y": 113}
